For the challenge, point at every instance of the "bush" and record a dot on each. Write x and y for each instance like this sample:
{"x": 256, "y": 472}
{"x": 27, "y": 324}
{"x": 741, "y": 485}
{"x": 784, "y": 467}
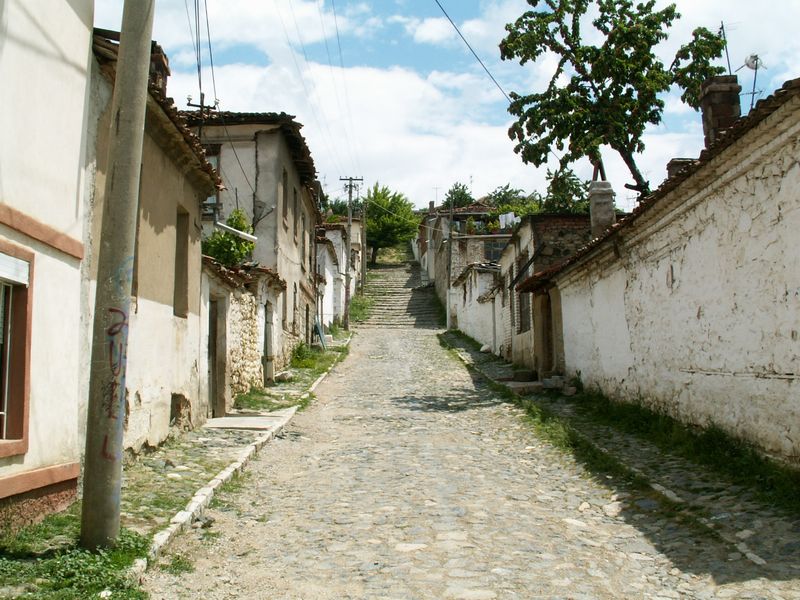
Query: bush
{"x": 227, "y": 248}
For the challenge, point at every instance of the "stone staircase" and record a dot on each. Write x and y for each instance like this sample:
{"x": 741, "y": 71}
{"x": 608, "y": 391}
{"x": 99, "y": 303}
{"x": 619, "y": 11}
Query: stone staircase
{"x": 399, "y": 300}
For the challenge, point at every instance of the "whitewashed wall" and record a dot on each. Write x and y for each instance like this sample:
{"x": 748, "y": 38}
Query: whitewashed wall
{"x": 44, "y": 69}
{"x": 475, "y": 318}
{"x": 700, "y": 315}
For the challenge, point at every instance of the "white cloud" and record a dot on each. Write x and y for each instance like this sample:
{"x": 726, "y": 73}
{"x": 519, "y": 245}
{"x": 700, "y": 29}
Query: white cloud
{"x": 415, "y": 130}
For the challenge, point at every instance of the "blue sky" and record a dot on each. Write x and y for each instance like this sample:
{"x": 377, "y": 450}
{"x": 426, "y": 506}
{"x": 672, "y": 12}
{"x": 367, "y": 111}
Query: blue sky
{"x": 412, "y": 109}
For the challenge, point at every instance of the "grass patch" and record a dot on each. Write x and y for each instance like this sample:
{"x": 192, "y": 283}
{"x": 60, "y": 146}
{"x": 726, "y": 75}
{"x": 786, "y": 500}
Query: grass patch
{"x": 224, "y": 498}
{"x": 178, "y": 565}
{"x": 360, "y": 308}
{"x": 737, "y": 460}
{"x": 45, "y": 561}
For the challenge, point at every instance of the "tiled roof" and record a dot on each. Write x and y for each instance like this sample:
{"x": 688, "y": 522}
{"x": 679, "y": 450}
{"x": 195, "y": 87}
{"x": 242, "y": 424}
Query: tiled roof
{"x": 243, "y": 275}
{"x": 763, "y": 109}
{"x": 301, "y": 155}
{"x": 105, "y": 50}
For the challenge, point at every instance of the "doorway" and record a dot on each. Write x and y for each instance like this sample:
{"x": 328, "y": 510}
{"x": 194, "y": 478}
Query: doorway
{"x": 216, "y": 359}
{"x": 267, "y": 357}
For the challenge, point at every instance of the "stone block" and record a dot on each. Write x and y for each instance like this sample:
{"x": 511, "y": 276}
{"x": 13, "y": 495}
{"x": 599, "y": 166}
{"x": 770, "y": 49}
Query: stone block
{"x": 524, "y": 375}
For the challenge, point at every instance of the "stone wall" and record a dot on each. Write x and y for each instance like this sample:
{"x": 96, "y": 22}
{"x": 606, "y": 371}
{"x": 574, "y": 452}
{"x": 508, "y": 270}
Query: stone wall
{"x": 244, "y": 342}
{"x": 695, "y": 310}
{"x": 561, "y": 236}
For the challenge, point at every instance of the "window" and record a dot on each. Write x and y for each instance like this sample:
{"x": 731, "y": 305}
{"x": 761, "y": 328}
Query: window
{"x": 15, "y": 319}
{"x": 285, "y": 193}
{"x": 493, "y": 249}
{"x": 524, "y": 313}
{"x": 180, "y": 297}
{"x": 285, "y": 310}
{"x": 304, "y": 248}
{"x": 211, "y": 205}
{"x": 296, "y": 212}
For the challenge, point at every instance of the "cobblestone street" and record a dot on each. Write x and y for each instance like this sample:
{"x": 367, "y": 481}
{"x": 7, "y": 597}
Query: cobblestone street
{"x": 408, "y": 478}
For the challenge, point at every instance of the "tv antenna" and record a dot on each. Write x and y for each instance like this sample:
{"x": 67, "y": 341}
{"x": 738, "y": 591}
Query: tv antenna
{"x": 754, "y": 63}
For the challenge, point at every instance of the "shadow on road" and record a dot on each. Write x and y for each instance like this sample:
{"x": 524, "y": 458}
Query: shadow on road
{"x": 696, "y": 542}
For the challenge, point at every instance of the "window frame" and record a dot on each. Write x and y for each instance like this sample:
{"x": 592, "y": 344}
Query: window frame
{"x": 19, "y": 364}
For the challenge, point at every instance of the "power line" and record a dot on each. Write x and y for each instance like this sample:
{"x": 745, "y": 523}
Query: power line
{"x": 478, "y": 58}
{"x": 214, "y": 87}
{"x": 349, "y": 142}
{"x": 485, "y": 68}
{"x": 325, "y": 131}
{"x": 344, "y": 81}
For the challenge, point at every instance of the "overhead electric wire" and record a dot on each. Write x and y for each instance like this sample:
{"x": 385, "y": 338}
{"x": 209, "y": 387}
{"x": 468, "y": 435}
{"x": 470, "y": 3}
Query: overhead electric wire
{"x": 344, "y": 81}
{"x": 485, "y": 68}
{"x": 214, "y": 87}
{"x": 323, "y": 128}
{"x": 478, "y": 58}
{"x": 348, "y": 141}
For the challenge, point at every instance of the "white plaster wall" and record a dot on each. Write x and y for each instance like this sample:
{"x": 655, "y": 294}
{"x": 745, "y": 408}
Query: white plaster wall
{"x": 44, "y": 66}
{"x": 475, "y": 318}
{"x": 45, "y": 54}
{"x": 163, "y": 359}
{"x": 330, "y": 273}
{"x": 710, "y": 295}
{"x": 596, "y": 339}
{"x": 54, "y": 366}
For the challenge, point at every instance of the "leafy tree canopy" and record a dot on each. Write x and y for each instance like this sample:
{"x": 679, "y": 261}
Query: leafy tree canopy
{"x": 505, "y": 199}
{"x": 227, "y": 248}
{"x": 603, "y": 94}
{"x": 458, "y": 195}
{"x": 390, "y": 219}
{"x": 565, "y": 193}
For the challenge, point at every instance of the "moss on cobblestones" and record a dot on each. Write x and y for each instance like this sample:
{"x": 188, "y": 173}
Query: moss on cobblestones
{"x": 775, "y": 483}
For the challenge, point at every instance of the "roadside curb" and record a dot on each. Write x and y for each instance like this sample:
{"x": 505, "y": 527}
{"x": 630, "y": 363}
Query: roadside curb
{"x": 664, "y": 494}
{"x": 194, "y": 509}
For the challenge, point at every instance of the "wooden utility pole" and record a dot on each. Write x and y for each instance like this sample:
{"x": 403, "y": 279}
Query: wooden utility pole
{"x": 347, "y": 276}
{"x": 102, "y": 475}
{"x": 449, "y": 263}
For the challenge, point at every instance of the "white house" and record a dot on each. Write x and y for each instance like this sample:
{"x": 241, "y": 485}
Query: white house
{"x": 269, "y": 174}
{"x": 45, "y": 58}
{"x": 691, "y": 305}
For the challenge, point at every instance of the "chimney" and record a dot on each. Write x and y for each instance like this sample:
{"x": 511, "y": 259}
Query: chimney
{"x": 601, "y": 207}
{"x": 719, "y": 103}
{"x": 675, "y": 166}
{"x": 431, "y": 207}
{"x": 159, "y": 69}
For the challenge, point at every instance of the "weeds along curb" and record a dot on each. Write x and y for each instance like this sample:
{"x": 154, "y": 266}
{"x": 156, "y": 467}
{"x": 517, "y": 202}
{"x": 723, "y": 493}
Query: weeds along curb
{"x": 322, "y": 377}
{"x": 667, "y": 497}
{"x": 202, "y": 498}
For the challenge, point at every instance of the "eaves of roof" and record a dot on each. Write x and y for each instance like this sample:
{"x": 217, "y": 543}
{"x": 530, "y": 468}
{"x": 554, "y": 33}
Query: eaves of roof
{"x": 301, "y": 154}
{"x": 763, "y": 109}
{"x": 490, "y": 267}
{"x": 241, "y": 276}
{"x": 106, "y": 51}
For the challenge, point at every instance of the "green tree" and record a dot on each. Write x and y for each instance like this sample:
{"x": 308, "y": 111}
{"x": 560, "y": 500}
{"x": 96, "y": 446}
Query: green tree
{"x": 458, "y": 196}
{"x": 505, "y": 194}
{"x": 390, "y": 219}
{"x": 602, "y": 94}
{"x": 505, "y": 199}
{"x": 566, "y": 192}
{"x": 227, "y": 248}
